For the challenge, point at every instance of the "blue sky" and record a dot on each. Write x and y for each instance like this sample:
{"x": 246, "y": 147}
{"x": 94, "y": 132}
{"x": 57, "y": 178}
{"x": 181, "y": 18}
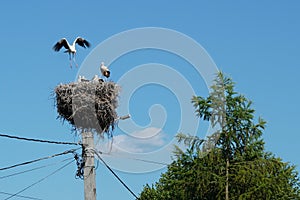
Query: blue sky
{"x": 256, "y": 43}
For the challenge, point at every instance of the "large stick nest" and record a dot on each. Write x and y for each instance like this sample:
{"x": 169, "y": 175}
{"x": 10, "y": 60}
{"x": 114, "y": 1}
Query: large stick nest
{"x": 88, "y": 106}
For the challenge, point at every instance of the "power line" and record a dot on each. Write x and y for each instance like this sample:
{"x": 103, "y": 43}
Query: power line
{"x": 17, "y": 193}
{"x": 148, "y": 161}
{"x": 36, "y": 160}
{"x": 130, "y": 158}
{"x": 21, "y": 196}
{"x": 38, "y": 140}
{"x": 137, "y": 159}
{"x": 119, "y": 179}
{"x": 36, "y": 168}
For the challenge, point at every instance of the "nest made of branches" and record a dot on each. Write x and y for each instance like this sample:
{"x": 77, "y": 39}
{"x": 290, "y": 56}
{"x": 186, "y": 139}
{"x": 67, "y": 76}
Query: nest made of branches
{"x": 89, "y": 105}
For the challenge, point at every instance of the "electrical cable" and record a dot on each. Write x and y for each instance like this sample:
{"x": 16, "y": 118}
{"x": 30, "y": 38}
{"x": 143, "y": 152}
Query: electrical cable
{"x": 148, "y": 161}
{"x": 38, "y": 140}
{"x": 33, "y": 169}
{"x": 21, "y": 196}
{"x": 42, "y": 179}
{"x": 137, "y": 159}
{"x": 119, "y": 179}
{"x": 36, "y": 160}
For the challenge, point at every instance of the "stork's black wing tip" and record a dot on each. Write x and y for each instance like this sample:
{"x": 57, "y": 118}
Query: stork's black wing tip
{"x": 87, "y": 43}
{"x": 62, "y": 43}
{"x": 82, "y": 42}
{"x": 55, "y": 47}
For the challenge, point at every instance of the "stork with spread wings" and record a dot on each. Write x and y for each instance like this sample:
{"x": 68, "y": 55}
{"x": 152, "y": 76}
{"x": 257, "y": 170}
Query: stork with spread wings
{"x": 70, "y": 49}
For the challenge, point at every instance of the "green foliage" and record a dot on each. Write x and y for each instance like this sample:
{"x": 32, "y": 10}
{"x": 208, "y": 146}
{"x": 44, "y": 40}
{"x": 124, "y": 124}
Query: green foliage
{"x": 233, "y": 157}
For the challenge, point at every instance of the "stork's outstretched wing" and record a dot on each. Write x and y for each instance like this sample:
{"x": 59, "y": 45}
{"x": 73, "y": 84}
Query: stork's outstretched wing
{"x": 62, "y": 43}
{"x": 82, "y": 42}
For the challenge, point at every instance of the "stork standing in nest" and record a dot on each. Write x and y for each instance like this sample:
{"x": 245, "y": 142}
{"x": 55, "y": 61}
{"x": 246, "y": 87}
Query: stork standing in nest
{"x": 104, "y": 70}
{"x": 70, "y": 49}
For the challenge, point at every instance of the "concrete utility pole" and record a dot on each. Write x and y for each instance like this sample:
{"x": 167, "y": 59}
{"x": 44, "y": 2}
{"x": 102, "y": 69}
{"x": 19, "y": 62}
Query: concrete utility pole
{"x": 89, "y": 166}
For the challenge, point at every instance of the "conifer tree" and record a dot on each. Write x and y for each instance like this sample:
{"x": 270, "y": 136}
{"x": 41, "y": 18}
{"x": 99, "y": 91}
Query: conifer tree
{"x": 229, "y": 164}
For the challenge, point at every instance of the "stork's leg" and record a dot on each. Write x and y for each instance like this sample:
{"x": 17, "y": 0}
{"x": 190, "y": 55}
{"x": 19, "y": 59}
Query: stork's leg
{"x": 70, "y": 59}
{"x": 75, "y": 60}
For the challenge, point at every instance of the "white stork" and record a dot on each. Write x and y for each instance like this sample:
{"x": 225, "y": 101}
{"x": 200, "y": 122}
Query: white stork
{"x": 71, "y": 48}
{"x": 104, "y": 70}
{"x": 82, "y": 79}
{"x": 95, "y": 79}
